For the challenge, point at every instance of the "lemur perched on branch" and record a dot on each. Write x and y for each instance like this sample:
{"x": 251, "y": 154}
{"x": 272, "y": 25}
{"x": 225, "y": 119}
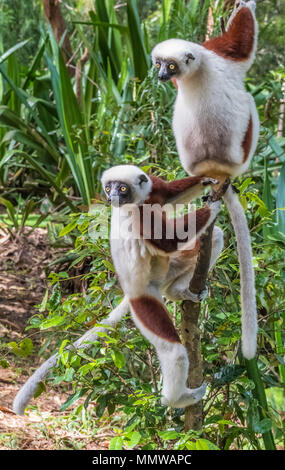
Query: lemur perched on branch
{"x": 216, "y": 125}
{"x": 148, "y": 266}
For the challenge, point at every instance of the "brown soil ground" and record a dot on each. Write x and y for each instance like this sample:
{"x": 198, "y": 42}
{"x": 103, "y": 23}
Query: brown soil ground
{"x": 23, "y": 264}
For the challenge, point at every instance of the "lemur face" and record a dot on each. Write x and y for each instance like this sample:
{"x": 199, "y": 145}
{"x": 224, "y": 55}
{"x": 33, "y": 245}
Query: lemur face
{"x": 170, "y": 68}
{"x": 125, "y": 184}
{"x": 167, "y": 69}
{"x": 120, "y": 192}
{"x": 176, "y": 58}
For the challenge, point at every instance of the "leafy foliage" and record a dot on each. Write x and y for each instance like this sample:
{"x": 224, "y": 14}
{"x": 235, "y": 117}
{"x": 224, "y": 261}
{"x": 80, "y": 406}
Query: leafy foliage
{"x": 56, "y": 139}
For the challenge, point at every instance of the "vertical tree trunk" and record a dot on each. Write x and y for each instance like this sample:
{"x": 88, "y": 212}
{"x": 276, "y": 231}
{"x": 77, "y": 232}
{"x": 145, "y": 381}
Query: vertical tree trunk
{"x": 191, "y": 332}
{"x": 53, "y": 14}
{"x": 190, "y": 317}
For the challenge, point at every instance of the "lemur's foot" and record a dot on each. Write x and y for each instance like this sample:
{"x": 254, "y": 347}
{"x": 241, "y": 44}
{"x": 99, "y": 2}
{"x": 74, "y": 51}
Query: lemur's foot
{"x": 196, "y": 297}
{"x": 203, "y": 294}
{"x": 206, "y": 181}
{"x": 206, "y": 198}
{"x": 189, "y": 397}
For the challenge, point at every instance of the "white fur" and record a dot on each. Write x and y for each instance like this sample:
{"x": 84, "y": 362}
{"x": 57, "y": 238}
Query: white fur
{"x": 130, "y": 175}
{"x": 213, "y": 101}
{"x": 210, "y": 120}
{"x": 140, "y": 273}
{"x": 134, "y": 268}
{"x": 249, "y": 314}
{"x": 212, "y": 108}
{"x": 174, "y": 367}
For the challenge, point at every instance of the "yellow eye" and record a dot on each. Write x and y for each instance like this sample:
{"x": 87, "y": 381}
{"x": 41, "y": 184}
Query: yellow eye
{"x": 171, "y": 66}
{"x": 123, "y": 188}
{"x": 157, "y": 65}
{"x": 107, "y": 189}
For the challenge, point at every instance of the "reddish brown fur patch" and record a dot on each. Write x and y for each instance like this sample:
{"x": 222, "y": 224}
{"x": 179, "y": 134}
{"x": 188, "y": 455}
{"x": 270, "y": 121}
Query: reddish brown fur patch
{"x": 163, "y": 191}
{"x": 236, "y": 43}
{"x": 155, "y": 318}
{"x": 181, "y": 225}
{"x": 190, "y": 253}
{"x": 246, "y": 143}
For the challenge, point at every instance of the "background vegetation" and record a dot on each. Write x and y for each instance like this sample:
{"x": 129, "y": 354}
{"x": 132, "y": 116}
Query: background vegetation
{"x": 75, "y": 103}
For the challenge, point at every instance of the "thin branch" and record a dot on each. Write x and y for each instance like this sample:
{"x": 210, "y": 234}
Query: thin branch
{"x": 190, "y": 316}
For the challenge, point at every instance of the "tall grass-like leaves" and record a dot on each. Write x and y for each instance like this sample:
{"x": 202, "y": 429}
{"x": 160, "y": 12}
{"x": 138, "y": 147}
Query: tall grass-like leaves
{"x": 24, "y": 99}
{"x": 259, "y": 394}
{"x": 71, "y": 121}
{"x": 12, "y": 50}
{"x": 280, "y": 200}
{"x": 26, "y": 134}
{"x": 141, "y": 60}
{"x": 109, "y": 43}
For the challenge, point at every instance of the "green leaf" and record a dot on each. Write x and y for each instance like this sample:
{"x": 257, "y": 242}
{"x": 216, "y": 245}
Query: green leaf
{"x": 73, "y": 398}
{"x": 13, "y": 49}
{"x": 54, "y": 321}
{"x": 280, "y": 200}
{"x": 243, "y": 201}
{"x": 86, "y": 368}
{"x": 68, "y": 228}
{"x": 101, "y": 405}
{"x": 109, "y": 265}
{"x": 116, "y": 443}
{"x": 40, "y": 389}
{"x": 10, "y": 210}
{"x": 24, "y": 349}
{"x": 24, "y": 98}
{"x": 141, "y": 60}
{"x": 194, "y": 4}
{"x": 69, "y": 374}
{"x": 275, "y": 146}
{"x": 133, "y": 439}
{"x": 168, "y": 435}
{"x": 227, "y": 375}
{"x": 118, "y": 358}
{"x": 4, "y": 364}
{"x": 204, "y": 444}
{"x": 263, "y": 426}
{"x": 55, "y": 298}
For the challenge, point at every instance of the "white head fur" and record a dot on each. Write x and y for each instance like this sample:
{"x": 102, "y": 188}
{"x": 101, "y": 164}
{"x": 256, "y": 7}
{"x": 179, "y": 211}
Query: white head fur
{"x": 132, "y": 176}
{"x": 184, "y": 55}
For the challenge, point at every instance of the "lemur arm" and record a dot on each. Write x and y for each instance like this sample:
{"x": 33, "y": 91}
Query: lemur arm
{"x": 171, "y": 235}
{"x": 177, "y": 191}
{"x": 238, "y": 42}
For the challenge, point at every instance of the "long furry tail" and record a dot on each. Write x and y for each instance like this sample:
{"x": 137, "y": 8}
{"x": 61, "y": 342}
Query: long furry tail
{"x": 248, "y": 298}
{"x": 28, "y": 390}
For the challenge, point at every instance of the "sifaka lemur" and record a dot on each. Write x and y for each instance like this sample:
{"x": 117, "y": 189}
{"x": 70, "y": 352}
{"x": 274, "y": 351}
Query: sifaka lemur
{"x": 216, "y": 126}
{"x": 148, "y": 267}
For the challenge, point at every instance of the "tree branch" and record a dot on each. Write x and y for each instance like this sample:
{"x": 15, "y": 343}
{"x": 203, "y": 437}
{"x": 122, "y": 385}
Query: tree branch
{"x": 190, "y": 317}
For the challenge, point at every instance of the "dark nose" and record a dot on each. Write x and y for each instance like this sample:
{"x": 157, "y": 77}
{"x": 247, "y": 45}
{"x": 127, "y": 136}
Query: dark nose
{"x": 163, "y": 77}
{"x": 114, "y": 200}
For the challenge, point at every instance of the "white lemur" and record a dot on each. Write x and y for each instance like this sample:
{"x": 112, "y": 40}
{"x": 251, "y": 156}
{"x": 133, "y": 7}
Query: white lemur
{"x": 146, "y": 269}
{"x": 216, "y": 125}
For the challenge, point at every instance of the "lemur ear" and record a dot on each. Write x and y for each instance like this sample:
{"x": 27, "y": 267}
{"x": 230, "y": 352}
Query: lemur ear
{"x": 142, "y": 179}
{"x": 189, "y": 56}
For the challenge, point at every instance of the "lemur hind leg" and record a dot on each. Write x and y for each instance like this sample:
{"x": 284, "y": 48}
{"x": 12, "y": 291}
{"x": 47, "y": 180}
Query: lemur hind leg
{"x": 152, "y": 319}
{"x": 181, "y": 271}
